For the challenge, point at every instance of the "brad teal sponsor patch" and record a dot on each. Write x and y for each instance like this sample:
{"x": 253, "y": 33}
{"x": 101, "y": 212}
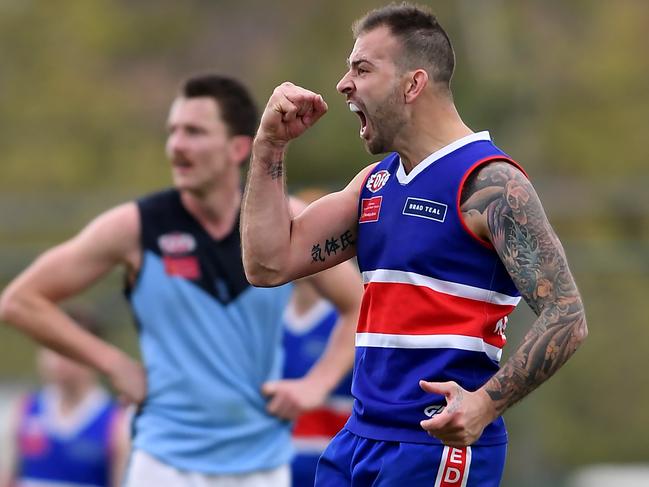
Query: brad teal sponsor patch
{"x": 431, "y": 210}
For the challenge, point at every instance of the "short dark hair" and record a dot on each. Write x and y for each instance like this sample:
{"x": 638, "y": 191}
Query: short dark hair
{"x": 238, "y": 109}
{"x": 425, "y": 43}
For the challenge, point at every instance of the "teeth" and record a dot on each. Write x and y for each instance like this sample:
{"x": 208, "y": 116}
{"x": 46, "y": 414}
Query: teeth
{"x": 354, "y": 108}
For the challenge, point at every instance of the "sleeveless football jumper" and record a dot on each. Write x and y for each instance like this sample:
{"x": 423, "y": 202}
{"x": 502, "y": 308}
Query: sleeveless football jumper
{"x": 436, "y": 297}
{"x": 77, "y": 453}
{"x": 209, "y": 340}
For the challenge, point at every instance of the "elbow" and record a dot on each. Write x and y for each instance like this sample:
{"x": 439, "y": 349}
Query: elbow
{"x": 261, "y": 276}
{"x": 259, "y": 279}
{"x": 578, "y": 327}
{"x": 11, "y": 307}
{"x": 262, "y": 273}
{"x": 581, "y": 331}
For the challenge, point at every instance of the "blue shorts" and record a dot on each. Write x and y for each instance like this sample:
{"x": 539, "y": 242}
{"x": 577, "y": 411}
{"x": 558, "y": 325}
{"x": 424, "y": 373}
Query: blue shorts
{"x": 303, "y": 469}
{"x": 351, "y": 460}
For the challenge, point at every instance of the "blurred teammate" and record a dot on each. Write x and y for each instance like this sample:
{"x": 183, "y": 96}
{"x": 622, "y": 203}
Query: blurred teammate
{"x": 448, "y": 232}
{"x": 70, "y": 432}
{"x": 308, "y": 322}
{"x": 209, "y": 341}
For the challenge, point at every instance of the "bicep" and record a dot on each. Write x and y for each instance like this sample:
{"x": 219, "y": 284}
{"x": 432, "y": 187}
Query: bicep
{"x": 528, "y": 246}
{"x": 324, "y": 234}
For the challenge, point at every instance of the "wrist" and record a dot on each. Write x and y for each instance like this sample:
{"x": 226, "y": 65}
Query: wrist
{"x": 268, "y": 144}
{"x": 322, "y": 381}
{"x": 111, "y": 361}
{"x": 487, "y": 405}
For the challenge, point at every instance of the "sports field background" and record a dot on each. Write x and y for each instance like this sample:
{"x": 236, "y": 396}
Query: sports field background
{"x": 562, "y": 86}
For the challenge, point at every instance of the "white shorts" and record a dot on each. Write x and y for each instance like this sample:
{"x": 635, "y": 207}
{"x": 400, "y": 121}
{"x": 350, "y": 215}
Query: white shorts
{"x": 145, "y": 470}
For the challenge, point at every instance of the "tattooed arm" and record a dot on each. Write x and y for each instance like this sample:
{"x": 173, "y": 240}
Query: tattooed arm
{"x": 500, "y": 205}
{"x": 279, "y": 243}
{"x": 534, "y": 258}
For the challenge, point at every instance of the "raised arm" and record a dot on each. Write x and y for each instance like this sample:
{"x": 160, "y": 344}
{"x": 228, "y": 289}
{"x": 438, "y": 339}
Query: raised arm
{"x": 277, "y": 244}
{"x": 29, "y": 303}
{"x": 501, "y": 205}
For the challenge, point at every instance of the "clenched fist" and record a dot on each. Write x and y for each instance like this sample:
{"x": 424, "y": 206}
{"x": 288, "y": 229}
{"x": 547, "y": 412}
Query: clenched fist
{"x": 290, "y": 111}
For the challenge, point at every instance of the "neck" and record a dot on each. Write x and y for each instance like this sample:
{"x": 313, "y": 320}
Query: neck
{"x": 433, "y": 126}
{"x": 215, "y": 209}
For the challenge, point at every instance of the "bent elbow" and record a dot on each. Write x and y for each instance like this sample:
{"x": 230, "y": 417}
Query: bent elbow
{"x": 10, "y": 307}
{"x": 582, "y": 329}
{"x": 578, "y": 328}
{"x": 257, "y": 279}
{"x": 260, "y": 276}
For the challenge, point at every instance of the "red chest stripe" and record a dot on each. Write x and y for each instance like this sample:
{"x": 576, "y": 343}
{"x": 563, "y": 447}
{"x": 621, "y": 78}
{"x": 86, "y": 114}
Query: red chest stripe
{"x": 406, "y": 309}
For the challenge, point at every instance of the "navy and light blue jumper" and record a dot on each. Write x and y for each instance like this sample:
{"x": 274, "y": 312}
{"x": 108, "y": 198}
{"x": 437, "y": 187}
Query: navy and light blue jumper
{"x": 208, "y": 340}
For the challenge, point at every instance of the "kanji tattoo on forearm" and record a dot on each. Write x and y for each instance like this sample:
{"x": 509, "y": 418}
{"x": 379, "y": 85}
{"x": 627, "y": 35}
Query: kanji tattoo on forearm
{"x": 331, "y": 246}
{"x": 535, "y": 259}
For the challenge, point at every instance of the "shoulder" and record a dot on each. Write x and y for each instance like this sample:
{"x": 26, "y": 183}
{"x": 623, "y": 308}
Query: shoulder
{"x": 160, "y": 199}
{"x": 118, "y": 221}
{"x": 161, "y": 204}
{"x": 497, "y": 170}
{"x": 489, "y": 182}
{"x": 359, "y": 180}
{"x": 113, "y": 234}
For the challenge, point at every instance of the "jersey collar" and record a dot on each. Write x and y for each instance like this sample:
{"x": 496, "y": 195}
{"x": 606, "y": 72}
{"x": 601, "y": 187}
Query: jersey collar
{"x": 404, "y": 178}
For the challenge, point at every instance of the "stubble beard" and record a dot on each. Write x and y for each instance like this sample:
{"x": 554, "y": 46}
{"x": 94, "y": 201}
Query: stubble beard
{"x": 388, "y": 120}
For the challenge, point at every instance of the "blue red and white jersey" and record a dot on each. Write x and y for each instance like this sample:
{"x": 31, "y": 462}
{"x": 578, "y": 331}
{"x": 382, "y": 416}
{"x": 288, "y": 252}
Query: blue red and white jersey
{"x": 436, "y": 297}
{"x": 305, "y": 339}
{"x": 73, "y": 451}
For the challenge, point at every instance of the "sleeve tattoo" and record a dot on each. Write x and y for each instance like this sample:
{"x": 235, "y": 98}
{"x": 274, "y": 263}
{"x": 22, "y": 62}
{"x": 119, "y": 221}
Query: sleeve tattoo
{"x": 536, "y": 262}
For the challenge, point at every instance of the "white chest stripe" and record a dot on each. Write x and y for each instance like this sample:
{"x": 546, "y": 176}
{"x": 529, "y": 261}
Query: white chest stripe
{"x": 458, "y": 342}
{"x": 446, "y": 287}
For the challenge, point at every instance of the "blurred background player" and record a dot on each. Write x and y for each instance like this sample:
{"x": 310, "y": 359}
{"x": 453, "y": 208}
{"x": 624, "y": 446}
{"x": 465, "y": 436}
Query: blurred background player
{"x": 308, "y": 321}
{"x": 70, "y": 432}
{"x": 214, "y": 410}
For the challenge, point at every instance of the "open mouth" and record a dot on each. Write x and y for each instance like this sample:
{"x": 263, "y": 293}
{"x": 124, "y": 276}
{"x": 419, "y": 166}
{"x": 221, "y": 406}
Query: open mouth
{"x": 357, "y": 110}
{"x": 181, "y": 163}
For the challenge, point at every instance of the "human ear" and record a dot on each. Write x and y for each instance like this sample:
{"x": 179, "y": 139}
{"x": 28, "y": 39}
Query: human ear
{"x": 240, "y": 147}
{"x": 416, "y": 82}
